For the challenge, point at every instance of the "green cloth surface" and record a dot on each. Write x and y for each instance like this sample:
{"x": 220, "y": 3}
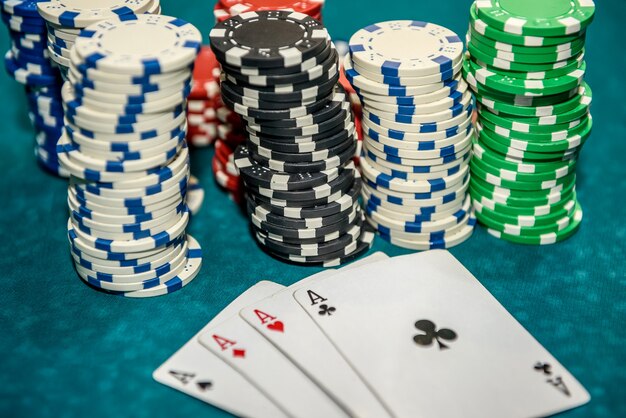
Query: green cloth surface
{"x": 70, "y": 351}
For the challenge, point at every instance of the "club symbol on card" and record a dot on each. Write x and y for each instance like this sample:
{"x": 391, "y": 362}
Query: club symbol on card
{"x": 556, "y": 381}
{"x": 326, "y": 310}
{"x": 204, "y": 385}
{"x": 431, "y": 333}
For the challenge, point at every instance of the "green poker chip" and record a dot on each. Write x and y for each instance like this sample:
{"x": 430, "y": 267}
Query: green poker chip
{"x": 540, "y": 75}
{"x": 507, "y": 209}
{"x": 557, "y": 147}
{"x": 518, "y": 198}
{"x": 529, "y": 186}
{"x": 523, "y": 49}
{"x": 495, "y": 159}
{"x": 523, "y": 155}
{"x": 518, "y": 86}
{"x": 527, "y": 58}
{"x": 530, "y": 128}
{"x": 556, "y": 213}
{"x": 517, "y": 230}
{"x": 539, "y": 195}
{"x": 485, "y": 29}
{"x": 560, "y": 135}
{"x": 537, "y": 17}
{"x": 544, "y": 239}
{"x": 517, "y": 100}
{"x": 567, "y": 111}
{"x": 512, "y": 175}
{"x": 518, "y": 66}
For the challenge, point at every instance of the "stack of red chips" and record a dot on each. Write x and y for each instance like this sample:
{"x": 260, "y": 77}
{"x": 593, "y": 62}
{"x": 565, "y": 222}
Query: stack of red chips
{"x": 227, "y": 8}
{"x": 343, "y": 50}
{"x": 204, "y": 100}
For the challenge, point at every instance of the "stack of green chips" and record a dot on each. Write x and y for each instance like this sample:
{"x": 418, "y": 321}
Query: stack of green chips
{"x": 525, "y": 64}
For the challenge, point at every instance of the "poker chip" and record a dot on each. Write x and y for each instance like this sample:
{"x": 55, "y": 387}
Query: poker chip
{"x": 28, "y": 62}
{"x": 65, "y": 19}
{"x": 130, "y": 194}
{"x": 417, "y": 133}
{"x": 527, "y": 70}
{"x": 301, "y": 186}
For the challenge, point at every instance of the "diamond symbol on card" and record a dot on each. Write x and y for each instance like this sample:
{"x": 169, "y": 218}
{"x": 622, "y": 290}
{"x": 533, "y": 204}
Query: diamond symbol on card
{"x": 237, "y": 352}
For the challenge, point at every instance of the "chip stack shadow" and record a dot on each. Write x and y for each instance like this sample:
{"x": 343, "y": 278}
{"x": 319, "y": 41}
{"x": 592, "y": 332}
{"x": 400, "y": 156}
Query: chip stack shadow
{"x": 525, "y": 64}
{"x": 280, "y": 73}
{"x": 417, "y": 132}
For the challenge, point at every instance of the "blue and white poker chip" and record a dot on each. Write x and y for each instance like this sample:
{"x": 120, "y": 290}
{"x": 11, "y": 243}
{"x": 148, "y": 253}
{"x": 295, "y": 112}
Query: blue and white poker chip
{"x": 169, "y": 44}
{"x": 80, "y": 14}
{"x": 381, "y": 48}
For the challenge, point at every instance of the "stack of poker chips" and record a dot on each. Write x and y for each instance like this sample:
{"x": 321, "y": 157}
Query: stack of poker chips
{"x": 124, "y": 145}
{"x": 417, "y": 132}
{"x": 211, "y": 122}
{"x": 526, "y": 67}
{"x": 65, "y": 20}
{"x": 27, "y": 62}
{"x": 225, "y": 9}
{"x": 357, "y": 111}
{"x": 230, "y": 130}
{"x": 204, "y": 100}
{"x": 280, "y": 73}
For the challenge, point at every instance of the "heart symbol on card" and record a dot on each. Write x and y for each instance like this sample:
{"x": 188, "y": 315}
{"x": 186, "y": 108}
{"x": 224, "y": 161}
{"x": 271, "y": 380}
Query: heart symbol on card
{"x": 276, "y": 326}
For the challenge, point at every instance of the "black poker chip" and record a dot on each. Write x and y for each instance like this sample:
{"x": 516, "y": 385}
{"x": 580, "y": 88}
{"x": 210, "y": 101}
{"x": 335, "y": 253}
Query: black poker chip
{"x": 268, "y": 39}
{"x": 342, "y": 117}
{"x": 304, "y": 147}
{"x": 297, "y": 212}
{"x": 255, "y": 174}
{"x": 275, "y": 114}
{"x": 291, "y": 93}
{"x": 339, "y": 228}
{"x": 343, "y": 256}
{"x": 291, "y": 139}
{"x": 342, "y": 183}
{"x": 307, "y": 167}
{"x": 304, "y": 157}
{"x": 264, "y": 213}
{"x": 308, "y": 75}
{"x": 317, "y": 249}
{"x": 329, "y": 110}
{"x": 326, "y": 243}
{"x": 250, "y": 101}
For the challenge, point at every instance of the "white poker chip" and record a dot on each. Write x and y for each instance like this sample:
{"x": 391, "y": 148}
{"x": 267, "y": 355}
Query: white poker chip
{"x": 382, "y": 48}
{"x": 80, "y": 13}
{"x": 159, "y": 44}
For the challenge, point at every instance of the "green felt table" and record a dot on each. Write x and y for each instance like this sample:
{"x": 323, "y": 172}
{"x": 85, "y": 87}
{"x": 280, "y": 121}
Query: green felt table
{"x": 70, "y": 351}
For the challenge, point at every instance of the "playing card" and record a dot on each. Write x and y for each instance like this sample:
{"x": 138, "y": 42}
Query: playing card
{"x": 242, "y": 347}
{"x": 432, "y": 341}
{"x": 197, "y": 372}
{"x": 281, "y": 320}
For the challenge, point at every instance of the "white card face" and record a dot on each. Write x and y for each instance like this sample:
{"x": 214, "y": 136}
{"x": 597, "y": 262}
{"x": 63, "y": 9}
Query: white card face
{"x": 432, "y": 341}
{"x": 281, "y": 320}
{"x": 241, "y": 346}
{"x": 197, "y": 372}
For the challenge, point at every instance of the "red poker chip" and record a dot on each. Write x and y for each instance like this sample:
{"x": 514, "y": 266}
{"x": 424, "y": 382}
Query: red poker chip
{"x": 220, "y": 12}
{"x": 206, "y": 74}
{"x": 359, "y": 127}
{"x": 310, "y": 7}
{"x": 225, "y": 180}
{"x": 226, "y": 115}
{"x": 233, "y": 139}
{"x": 226, "y": 157}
